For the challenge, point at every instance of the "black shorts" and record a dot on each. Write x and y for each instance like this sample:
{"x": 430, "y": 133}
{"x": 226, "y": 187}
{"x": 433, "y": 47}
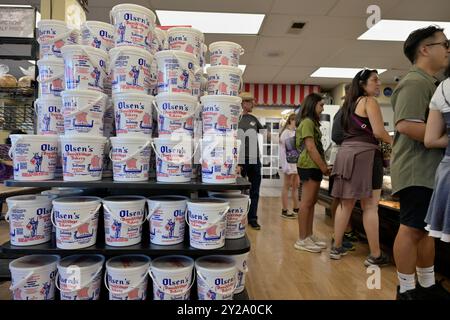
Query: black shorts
{"x": 414, "y": 202}
{"x": 377, "y": 171}
{"x": 313, "y": 174}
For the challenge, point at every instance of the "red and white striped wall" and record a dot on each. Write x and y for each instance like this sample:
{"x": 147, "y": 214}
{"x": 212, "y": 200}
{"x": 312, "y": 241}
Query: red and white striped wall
{"x": 280, "y": 94}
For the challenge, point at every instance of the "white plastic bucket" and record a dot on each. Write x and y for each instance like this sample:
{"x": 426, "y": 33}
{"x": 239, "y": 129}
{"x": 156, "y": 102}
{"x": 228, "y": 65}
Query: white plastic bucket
{"x": 133, "y": 114}
{"x": 126, "y": 277}
{"x": 241, "y": 261}
{"x": 173, "y": 159}
{"x": 237, "y": 214}
{"x": 49, "y": 118}
{"x": 197, "y": 84}
{"x": 85, "y": 67}
{"x": 176, "y": 106}
{"x": 51, "y": 77}
{"x": 216, "y": 277}
{"x": 225, "y": 53}
{"x": 52, "y": 36}
{"x": 131, "y": 158}
{"x": 80, "y": 277}
{"x": 220, "y": 115}
{"x": 34, "y": 156}
{"x": 177, "y": 127}
{"x": 130, "y": 67}
{"x": 162, "y": 38}
{"x": 186, "y": 39}
{"x": 224, "y": 80}
{"x": 207, "y": 222}
{"x": 33, "y": 277}
{"x": 167, "y": 219}
{"x": 172, "y": 277}
{"x": 76, "y": 221}
{"x": 133, "y": 25}
{"x": 83, "y": 112}
{"x": 82, "y": 157}
{"x": 108, "y": 119}
{"x": 97, "y": 34}
{"x": 203, "y": 55}
{"x": 124, "y": 217}
{"x": 29, "y": 219}
{"x": 176, "y": 71}
{"x": 219, "y": 158}
{"x": 63, "y": 192}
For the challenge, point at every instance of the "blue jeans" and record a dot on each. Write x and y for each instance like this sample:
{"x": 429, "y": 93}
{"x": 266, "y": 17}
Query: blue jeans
{"x": 253, "y": 173}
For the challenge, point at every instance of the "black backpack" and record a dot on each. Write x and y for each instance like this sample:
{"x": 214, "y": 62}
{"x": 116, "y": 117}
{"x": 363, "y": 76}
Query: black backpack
{"x": 337, "y": 133}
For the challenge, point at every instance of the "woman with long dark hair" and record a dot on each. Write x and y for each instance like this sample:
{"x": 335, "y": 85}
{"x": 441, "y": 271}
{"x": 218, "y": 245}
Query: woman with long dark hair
{"x": 288, "y": 155}
{"x": 311, "y": 167}
{"x": 358, "y": 169}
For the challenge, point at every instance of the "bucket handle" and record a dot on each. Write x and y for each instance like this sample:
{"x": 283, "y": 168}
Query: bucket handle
{"x": 105, "y": 207}
{"x": 84, "y": 108}
{"x": 248, "y": 206}
{"x": 129, "y": 156}
{"x": 152, "y": 211}
{"x": 61, "y": 36}
{"x": 206, "y": 224}
{"x": 94, "y": 63}
{"x": 105, "y": 280}
{"x": 81, "y": 286}
{"x": 13, "y": 148}
{"x": 152, "y": 276}
{"x": 173, "y": 162}
{"x": 21, "y": 282}
{"x": 8, "y": 212}
{"x": 54, "y": 77}
{"x": 184, "y": 66}
{"x": 200, "y": 276}
{"x": 52, "y": 218}
{"x": 189, "y": 114}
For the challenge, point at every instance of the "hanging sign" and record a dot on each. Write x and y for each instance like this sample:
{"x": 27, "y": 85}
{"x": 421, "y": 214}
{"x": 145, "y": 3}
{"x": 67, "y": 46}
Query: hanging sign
{"x": 17, "y": 22}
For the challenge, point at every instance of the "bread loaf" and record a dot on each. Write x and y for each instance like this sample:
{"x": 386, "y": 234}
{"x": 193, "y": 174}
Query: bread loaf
{"x": 24, "y": 82}
{"x": 8, "y": 80}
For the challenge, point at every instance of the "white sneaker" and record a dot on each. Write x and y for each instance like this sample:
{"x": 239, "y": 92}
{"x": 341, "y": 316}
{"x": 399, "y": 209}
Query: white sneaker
{"x": 318, "y": 242}
{"x": 307, "y": 245}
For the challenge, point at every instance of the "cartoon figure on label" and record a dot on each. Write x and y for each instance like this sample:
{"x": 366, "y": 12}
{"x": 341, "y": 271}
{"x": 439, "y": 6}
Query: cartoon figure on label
{"x": 118, "y": 115}
{"x": 160, "y": 294}
{"x": 95, "y": 74}
{"x": 222, "y": 123}
{"x": 184, "y": 77}
{"x": 64, "y": 164}
{"x": 211, "y": 295}
{"x": 134, "y": 73}
{"x": 116, "y": 227}
{"x": 223, "y": 89}
{"x": 37, "y": 162}
{"x": 228, "y": 166}
{"x": 146, "y": 122}
{"x": 159, "y": 164}
{"x": 170, "y": 227}
{"x": 96, "y": 43}
{"x": 206, "y": 168}
{"x": 46, "y": 290}
{"x": 148, "y": 39}
{"x": 46, "y": 122}
{"x": 56, "y": 47}
{"x": 121, "y": 32}
{"x": 32, "y": 226}
{"x": 17, "y": 293}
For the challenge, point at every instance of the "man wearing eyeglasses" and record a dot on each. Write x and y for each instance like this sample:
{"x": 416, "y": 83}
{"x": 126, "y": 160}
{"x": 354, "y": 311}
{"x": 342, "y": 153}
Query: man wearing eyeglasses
{"x": 413, "y": 167}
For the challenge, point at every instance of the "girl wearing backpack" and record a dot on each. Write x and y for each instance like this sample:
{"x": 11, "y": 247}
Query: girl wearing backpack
{"x": 288, "y": 162}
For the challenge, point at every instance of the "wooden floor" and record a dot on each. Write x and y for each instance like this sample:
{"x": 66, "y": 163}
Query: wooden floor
{"x": 280, "y": 272}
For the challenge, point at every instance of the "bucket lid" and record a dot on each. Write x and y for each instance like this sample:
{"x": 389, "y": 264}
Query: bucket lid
{"x": 89, "y": 93}
{"x": 117, "y": 50}
{"x": 130, "y": 139}
{"x": 77, "y": 200}
{"x": 123, "y": 198}
{"x": 175, "y": 53}
{"x": 175, "y": 96}
{"x": 129, "y": 6}
{"x": 44, "y": 22}
{"x": 127, "y": 95}
{"x": 34, "y": 137}
{"x": 223, "y": 43}
{"x": 97, "y": 24}
{"x": 216, "y": 263}
{"x": 186, "y": 29}
{"x": 43, "y": 62}
{"x": 224, "y": 68}
{"x": 62, "y": 191}
{"x": 128, "y": 262}
{"x": 81, "y": 261}
{"x": 221, "y": 98}
{"x": 172, "y": 263}
{"x": 34, "y": 261}
{"x": 31, "y": 199}
{"x": 81, "y": 139}
{"x": 168, "y": 198}
{"x": 174, "y": 139}
{"x": 76, "y": 47}
{"x": 161, "y": 32}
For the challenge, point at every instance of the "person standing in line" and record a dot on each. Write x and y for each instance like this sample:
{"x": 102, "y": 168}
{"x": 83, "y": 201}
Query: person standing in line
{"x": 249, "y": 127}
{"x": 358, "y": 169}
{"x": 288, "y": 155}
{"x": 413, "y": 166}
{"x": 311, "y": 167}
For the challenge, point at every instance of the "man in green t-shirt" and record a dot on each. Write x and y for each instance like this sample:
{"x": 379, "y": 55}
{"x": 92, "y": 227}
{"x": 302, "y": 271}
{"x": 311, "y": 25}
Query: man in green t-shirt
{"x": 413, "y": 167}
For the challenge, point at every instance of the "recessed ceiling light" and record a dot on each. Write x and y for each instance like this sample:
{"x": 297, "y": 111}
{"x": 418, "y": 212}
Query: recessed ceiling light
{"x": 345, "y": 73}
{"x": 213, "y": 22}
{"x": 16, "y": 5}
{"x": 399, "y": 30}
{"x": 241, "y": 66}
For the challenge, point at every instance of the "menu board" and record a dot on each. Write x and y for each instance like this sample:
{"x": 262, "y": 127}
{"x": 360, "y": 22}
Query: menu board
{"x": 17, "y": 22}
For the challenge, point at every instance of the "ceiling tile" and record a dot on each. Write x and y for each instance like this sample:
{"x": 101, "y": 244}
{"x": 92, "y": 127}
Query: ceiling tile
{"x": 292, "y": 75}
{"x": 433, "y": 10}
{"x": 324, "y": 83}
{"x": 305, "y": 7}
{"x": 277, "y": 25}
{"x": 284, "y": 46}
{"x": 260, "y": 73}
